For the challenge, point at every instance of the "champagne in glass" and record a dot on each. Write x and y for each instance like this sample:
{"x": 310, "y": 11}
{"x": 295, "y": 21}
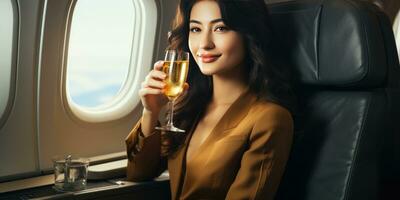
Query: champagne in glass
{"x": 176, "y": 67}
{"x": 176, "y": 77}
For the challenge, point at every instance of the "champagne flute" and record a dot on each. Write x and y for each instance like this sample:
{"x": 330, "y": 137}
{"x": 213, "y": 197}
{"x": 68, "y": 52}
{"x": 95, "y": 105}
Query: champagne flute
{"x": 176, "y": 67}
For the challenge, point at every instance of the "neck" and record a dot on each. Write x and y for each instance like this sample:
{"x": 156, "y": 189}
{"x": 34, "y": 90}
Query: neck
{"x": 227, "y": 88}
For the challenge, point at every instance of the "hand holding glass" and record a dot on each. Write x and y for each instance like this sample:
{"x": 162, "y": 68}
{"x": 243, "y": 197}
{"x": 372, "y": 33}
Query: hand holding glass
{"x": 176, "y": 67}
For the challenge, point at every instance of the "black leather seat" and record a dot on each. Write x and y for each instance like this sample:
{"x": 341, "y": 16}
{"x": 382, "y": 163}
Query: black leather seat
{"x": 348, "y": 74}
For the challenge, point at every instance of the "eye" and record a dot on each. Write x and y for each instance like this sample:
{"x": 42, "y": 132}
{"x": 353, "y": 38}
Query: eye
{"x": 194, "y": 30}
{"x": 221, "y": 29}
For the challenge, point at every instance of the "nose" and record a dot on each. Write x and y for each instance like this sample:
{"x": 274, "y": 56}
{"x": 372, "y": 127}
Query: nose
{"x": 206, "y": 41}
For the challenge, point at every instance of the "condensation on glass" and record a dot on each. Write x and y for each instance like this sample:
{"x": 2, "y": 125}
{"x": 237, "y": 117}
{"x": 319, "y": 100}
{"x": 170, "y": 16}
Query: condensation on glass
{"x": 8, "y": 22}
{"x": 99, "y": 51}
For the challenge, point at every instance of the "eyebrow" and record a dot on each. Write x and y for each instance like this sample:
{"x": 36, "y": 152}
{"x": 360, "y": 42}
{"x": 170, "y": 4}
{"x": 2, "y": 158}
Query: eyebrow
{"x": 212, "y": 21}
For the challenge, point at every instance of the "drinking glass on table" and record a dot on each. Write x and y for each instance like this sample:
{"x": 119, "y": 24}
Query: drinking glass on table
{"x": 176, "y": 67}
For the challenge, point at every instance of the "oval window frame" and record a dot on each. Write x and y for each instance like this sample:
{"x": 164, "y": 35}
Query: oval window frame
{"x": 396, "y": 32}
{"x": 13, "y": 64}
{"x": 127, "y": 98}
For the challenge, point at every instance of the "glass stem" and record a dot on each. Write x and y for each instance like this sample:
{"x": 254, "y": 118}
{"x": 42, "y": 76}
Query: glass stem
{"x": 171, "y": 114}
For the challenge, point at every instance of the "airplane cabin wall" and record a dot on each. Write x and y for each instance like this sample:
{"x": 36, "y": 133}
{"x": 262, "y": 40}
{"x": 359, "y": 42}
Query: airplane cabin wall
{"x": 40, "y": 125}
{"x": 18, "y": 150}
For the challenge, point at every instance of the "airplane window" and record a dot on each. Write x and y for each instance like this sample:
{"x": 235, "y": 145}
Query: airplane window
{"x": 105, "y": 50}
{"x": 100, "y": 45}
{"x": 396, "y": 30}
{"x": 7, "y": 23}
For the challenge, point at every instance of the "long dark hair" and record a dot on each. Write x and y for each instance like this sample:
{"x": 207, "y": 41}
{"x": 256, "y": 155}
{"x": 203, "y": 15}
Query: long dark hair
{"x": 250, "y": 18}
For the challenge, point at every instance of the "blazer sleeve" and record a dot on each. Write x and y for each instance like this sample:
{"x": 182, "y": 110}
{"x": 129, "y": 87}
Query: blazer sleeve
{"x": 263, "y": 163}
{"x": 144, "y": 160}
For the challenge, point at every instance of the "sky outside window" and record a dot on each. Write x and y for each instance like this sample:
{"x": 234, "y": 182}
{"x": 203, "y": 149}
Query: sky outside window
{"x": 99, "y": 50}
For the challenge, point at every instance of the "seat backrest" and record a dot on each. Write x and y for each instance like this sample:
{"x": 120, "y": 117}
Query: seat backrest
{"x": 345, "y": 61}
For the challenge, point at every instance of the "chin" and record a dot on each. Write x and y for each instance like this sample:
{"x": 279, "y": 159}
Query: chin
{"x": 212, "y": 70}
{"x": 207, "y": 69}
{"x": 207, "y": 72}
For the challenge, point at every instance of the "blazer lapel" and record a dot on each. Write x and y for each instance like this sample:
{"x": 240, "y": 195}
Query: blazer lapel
{"x": 176, "y": 165}
{"x": 232, "y": 117}
{"x": 238, "y": 110}
{"x": 235, "y": 113}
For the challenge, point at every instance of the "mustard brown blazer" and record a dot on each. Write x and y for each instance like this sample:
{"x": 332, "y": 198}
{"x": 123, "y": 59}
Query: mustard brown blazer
{"x": 244, "y": 156}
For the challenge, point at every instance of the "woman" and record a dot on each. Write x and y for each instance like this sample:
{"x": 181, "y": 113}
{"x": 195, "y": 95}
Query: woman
{"x": 236, "y": 112}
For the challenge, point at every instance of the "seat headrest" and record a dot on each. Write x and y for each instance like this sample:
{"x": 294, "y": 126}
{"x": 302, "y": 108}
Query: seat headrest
{"x": 332, "y": 42}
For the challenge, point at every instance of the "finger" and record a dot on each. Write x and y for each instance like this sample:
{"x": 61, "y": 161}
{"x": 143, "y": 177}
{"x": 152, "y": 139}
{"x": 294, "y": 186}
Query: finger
{"x": 158, "y": 65}
{"x": 157, "y": 75}
{"x": 155, "y": 84}
{"x": 149, "y": 91}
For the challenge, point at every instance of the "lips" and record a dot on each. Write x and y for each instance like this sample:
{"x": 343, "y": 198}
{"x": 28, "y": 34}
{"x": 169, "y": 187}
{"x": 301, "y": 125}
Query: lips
{"x": 208, "y": 58}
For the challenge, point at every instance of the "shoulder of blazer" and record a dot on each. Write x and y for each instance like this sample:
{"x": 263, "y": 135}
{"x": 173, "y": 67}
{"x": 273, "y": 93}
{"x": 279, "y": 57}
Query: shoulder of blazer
{"x": 269, "y": 114}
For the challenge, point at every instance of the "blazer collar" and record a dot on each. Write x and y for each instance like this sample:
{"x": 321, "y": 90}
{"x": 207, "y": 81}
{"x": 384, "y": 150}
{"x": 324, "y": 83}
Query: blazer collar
{"x": 235, "y": 113}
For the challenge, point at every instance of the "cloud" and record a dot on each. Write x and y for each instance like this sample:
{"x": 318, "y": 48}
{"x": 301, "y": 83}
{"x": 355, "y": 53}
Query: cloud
{"x": 97, "y": 97}
{"x": 86, "y": 80}
{"x": 105, "y": 98}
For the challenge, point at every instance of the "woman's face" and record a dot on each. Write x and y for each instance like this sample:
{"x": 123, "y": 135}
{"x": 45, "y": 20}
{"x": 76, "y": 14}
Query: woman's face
{"x": 216, "y": 48}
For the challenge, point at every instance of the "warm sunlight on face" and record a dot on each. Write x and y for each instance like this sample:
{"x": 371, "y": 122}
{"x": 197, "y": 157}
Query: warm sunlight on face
{"x": 216, "y": 48}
